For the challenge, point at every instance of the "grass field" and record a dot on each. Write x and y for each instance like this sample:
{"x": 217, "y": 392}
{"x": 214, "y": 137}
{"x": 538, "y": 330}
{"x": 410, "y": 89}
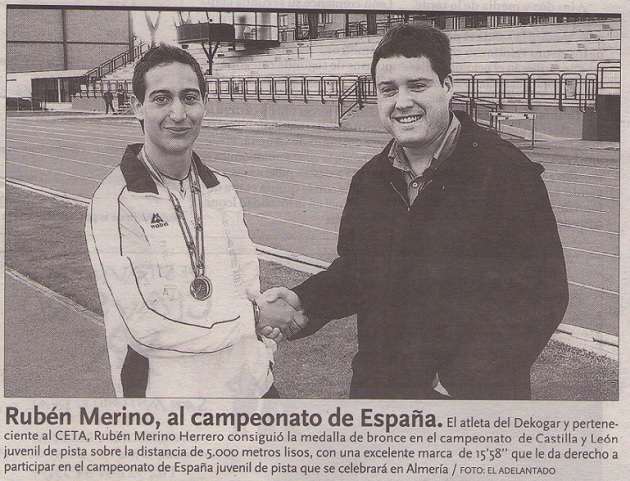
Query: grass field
{"x": 44, "y": 241}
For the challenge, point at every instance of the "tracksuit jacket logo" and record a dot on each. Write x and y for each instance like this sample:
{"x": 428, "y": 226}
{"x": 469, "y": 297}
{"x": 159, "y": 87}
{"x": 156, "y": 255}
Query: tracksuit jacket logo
{"x": 157, "y": 221}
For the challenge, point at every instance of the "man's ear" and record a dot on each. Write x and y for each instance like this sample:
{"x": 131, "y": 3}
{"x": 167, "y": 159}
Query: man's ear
{"x": 448, "y": 85}
{"x": 138, "y": 108}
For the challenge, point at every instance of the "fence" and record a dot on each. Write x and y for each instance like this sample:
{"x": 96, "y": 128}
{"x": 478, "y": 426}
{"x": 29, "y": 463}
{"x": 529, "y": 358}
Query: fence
{"x": 118, "y": 61}
{"x": 537, "y": 89}
{"x": 478, "y": 93}
{"x": 289, "y": 89}
{"x": 97, "y": 89}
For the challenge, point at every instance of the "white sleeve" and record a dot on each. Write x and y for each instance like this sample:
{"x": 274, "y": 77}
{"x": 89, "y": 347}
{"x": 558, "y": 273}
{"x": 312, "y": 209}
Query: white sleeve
{"x": 244, "y": 246}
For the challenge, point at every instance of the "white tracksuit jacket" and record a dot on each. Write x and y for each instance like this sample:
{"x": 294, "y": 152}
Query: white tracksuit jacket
{"x": 161, "y": 341}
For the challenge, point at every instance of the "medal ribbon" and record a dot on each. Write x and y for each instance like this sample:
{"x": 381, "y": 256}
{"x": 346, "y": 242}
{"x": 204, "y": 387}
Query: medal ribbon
{"x": 195, "y": 246}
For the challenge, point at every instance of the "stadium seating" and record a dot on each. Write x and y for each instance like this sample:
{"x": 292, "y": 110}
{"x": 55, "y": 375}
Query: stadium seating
{"x": 567, "y": 47}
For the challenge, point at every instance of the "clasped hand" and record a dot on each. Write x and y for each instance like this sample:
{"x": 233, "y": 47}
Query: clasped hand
{"x": 281, "y": 313}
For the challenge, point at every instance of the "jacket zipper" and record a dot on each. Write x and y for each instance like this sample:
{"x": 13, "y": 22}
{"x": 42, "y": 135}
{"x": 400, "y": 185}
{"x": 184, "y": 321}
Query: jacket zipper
{"x": 404, "y": 198}
{"x": 401, "y": 196}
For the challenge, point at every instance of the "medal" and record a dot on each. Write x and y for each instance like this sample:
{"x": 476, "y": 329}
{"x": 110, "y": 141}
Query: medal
{"x": 201, "y": 288}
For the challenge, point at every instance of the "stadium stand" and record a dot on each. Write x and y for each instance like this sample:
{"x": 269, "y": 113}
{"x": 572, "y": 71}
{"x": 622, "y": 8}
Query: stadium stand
{"x": 566, "y": 69}
{"x": 568, "y": 47}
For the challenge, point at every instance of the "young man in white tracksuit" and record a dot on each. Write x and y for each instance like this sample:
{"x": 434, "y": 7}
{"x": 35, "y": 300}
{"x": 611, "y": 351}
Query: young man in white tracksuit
{"x": 176, "y": 270}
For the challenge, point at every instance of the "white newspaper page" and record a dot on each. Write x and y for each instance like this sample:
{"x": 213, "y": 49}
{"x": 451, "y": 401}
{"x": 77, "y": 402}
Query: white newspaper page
{"x": 130, "y": 349}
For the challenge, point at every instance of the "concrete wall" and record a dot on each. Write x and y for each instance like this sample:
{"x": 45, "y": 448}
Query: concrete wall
{"x": 41, "y": 39}
{"x": 364, "y": 120}
{"x": 549, "y": 121}
{"x": 88, "y": 105}
{"x": 299, "y": 113}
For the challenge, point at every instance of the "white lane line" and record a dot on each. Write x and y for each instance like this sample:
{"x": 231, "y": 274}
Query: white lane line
{"x": 53, "y": 171}
{"x": 301, "y": 184}
{"x": 597, "y": 253}
{"x": 84, "y": 200}
{"x": 581, "y": 166}
{"x": 81, "y": 136}
{"x": 581, "y": 174}
{"x": 66, "y": 159}
{"x": 232, "y": 151}
{"x": 210, "y": 145}
{"x": 213, "y": 152}
{"x": 301, "y": 140}
{"x": 584, "y": 195}
{"x": 279, "y": 197}
{"x": 579, "y": 209}
{"x": 590, "y": 229}
{"x": 49, "y": 293}
{"x": 582, "y": 183}
{"x": 592, "y": 288}
{"x": 285, "y": 221}
{"x": 108, "y": 166}
{"x": 278, "y": 254}
{"x": 212, "y": 159}
{"x": 291, "y": 183}
{"x": 70, "y": 198}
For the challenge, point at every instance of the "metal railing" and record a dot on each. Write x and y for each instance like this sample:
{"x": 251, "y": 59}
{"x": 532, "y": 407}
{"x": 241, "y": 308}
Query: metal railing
{"x": 478, "y": 92}
{"x": 609, "y": 75}
{"x": 357, "y": 96}
{"x": 120, "y": 60}
{"x": 97, "y": 89}
{"x": 326, "y": 88}
{"x": 478, "y": 109}
{"x": 568, "y": 89}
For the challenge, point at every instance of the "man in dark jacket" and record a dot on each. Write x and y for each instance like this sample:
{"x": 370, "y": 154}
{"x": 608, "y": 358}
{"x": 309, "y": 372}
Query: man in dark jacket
{"x": 109, "y": 102}
{"x": 449, "y": 251}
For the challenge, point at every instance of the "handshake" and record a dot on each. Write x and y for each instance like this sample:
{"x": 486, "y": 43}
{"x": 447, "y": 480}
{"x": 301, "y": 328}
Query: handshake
{"x": 281, "y": 314}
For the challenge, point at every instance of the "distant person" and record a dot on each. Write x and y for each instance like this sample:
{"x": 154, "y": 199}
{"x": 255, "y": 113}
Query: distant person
{"x": 449, "y": 251}
{"x": 121, "y": 95}
{"x": 109, "y": 102}
{"x": 176, "y": 270}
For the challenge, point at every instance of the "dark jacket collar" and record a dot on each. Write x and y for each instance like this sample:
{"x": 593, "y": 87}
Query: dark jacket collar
{"x": 474, "y": 143}
{"x": 140, "y": 180}
{"x": 468, "y": 138}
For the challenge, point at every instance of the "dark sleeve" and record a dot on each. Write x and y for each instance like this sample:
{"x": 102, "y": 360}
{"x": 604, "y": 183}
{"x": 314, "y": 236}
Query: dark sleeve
{"x": 331, "y": 294}
{"x": 536, "y": 294}
{"x": 526, "y": 301}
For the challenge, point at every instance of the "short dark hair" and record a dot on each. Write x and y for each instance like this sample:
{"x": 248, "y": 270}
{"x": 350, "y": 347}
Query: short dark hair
{"x": 412, "y": 40}
{"x": 159, "y": 55}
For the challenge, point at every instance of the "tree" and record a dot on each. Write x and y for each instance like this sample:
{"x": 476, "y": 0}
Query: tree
{"x": 152, "y": 26}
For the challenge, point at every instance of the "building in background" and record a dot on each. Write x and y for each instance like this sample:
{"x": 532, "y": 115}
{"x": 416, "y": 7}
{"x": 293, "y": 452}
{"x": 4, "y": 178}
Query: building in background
{"x": 322, "y": 24}
{"x": 49, "y": 50}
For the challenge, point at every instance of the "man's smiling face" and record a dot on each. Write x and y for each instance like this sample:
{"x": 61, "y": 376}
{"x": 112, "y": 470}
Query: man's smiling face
{"x": 172, "y": 110}
{"x": 413, "y": 104}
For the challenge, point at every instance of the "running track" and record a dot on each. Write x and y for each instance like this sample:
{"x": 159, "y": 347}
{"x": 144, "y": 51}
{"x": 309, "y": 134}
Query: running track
{"x": 293, "y": 183}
